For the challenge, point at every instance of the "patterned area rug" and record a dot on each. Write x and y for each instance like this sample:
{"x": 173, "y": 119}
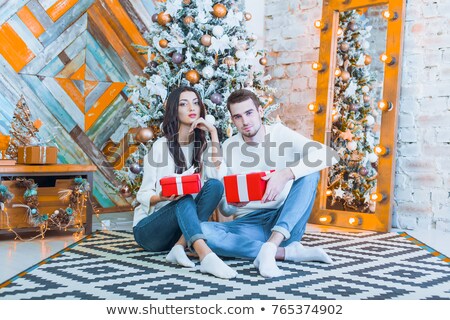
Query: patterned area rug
{"x": 109, "y": 265}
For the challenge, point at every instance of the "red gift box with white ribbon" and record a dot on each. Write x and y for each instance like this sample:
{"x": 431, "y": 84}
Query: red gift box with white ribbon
{"x": 245, "y": 187}
{"x": 180, "y": 185}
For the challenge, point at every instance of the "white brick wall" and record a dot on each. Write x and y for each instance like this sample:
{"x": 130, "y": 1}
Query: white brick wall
{"x": 422, "y": 194}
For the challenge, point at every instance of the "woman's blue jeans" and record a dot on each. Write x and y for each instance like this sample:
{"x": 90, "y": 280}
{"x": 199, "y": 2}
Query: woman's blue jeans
{"x": 162, "y": 229}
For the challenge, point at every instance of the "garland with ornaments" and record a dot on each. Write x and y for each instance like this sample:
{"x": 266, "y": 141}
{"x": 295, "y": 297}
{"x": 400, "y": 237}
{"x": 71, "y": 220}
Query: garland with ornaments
{"x": 199, "y": 43}
{"x": 62, "y": 219}
{"x": 354, "y": 117}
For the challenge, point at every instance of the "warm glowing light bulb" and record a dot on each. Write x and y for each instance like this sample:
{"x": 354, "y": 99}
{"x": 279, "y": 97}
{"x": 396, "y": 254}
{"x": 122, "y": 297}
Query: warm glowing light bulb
{"x": 377, "y": 197}
{"x": 329, "y": 192}
{"x": 317, "y": 66}
{"x": 340, "y": 32}
{"x": 337, "y": 72}
{"x": 387, "y": 59}
{"x": 334, "y": 112}
{"x": 354, "y": 221}
{"x": 314, "y": 107}
{"x": 380, "y": 150}
{"x": 389, "y": 15}
{"x": 385, "y": 105}
{"x": 320, "y": 25}
{"x": 326, "y": 218}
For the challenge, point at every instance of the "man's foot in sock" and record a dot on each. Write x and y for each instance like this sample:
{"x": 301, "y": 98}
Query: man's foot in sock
{"x": 212, "y": 264}
{"x": 266, "y": 263}
{"x": 296, "y": 252}
{"x": 178, "y": 256}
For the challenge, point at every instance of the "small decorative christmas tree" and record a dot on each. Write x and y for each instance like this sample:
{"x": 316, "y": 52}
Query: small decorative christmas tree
{"x": 353, "y": 179}
{"x": 198, "y": 43}
{"x": 23, "y": 130}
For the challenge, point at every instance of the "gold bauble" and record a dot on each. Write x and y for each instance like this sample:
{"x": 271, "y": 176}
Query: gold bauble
{"x": 367, "y": 59}
{"x": 247, "y": 16}
{"x": 206, "y": 40}
{"x": 263, "y": 61}
{"x": 144, "y": 135}
{"x": 192, "y": 76}
{"x": 188, "y": 20}
{"x": 229, "y": 61}
{"x": 163, "y": 43}
{"x": 164, "y": 18}
{"x": 344, "y": 46}
{"x": 345, "y": 75}
{"x": 125, "y": 191}
{"x": 219, "y": 10}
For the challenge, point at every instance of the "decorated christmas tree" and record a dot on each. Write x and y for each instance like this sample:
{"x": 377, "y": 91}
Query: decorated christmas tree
{"x": 353, "y": 179}
{"x": 24, "y": 131}
{"x": 203, "y": 44}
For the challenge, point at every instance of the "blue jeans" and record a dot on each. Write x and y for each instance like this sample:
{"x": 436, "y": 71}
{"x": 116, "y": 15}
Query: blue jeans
{"x": 162, "y": 229}
{"x": 243, "y": 237}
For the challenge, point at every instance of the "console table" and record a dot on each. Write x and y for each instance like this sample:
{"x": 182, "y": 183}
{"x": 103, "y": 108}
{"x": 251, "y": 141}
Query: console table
{"x": 57, "y": 170}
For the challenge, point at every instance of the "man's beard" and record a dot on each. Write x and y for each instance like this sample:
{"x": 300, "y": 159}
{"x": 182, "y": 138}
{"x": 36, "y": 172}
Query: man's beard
{"x": 252, "y": 134}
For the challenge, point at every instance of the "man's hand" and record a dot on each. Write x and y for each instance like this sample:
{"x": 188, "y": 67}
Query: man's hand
{"x": 238, "y": 204}
{"x": 276, "y": 182}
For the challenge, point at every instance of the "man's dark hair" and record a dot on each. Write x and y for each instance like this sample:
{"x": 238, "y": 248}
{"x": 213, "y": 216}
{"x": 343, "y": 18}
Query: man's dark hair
{"x": 242, "y": 95}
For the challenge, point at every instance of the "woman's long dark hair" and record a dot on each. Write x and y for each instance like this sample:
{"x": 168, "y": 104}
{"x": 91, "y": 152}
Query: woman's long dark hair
{"x": 171, "y": 127}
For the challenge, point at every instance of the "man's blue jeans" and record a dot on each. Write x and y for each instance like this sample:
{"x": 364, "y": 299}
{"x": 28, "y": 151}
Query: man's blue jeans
{"x": 162, "y": 229}
{"x": 243, "y": 237}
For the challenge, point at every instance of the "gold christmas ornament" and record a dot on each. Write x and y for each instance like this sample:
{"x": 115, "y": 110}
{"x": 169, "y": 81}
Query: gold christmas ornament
{"x": 193, "y": 76}
{"x": 229, "y": 131}
{"x": 263, "y": 61}
{"x": 219, "y": 10}
{"x": 344, "y": 46}
{"x": 345, "y": 75}
{"x": 229, "y": 61}
{"x": 367, "y": 59}
{"x": 163, "y": 43}
{"x": 247, "y": 16}
{"x": 125, "y": 191}
{"x": 164, "y": 18}
{"x": 206, "y": 40}
{"x": 188, "y": 20}
{"x": 144, "y": 135}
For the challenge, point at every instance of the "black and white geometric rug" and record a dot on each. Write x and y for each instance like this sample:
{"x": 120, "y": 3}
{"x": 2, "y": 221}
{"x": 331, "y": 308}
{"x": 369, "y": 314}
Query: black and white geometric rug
{"x": 109, "y": 265}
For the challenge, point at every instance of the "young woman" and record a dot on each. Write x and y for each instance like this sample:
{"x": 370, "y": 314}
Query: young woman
{"x": 162, "y": 223}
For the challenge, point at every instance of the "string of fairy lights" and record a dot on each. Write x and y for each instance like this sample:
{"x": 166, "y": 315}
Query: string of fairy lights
{"x": 70, "y": 217}
{"x": 363, "y": 156}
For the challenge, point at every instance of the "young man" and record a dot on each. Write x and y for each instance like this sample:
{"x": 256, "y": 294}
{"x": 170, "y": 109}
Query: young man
{"x": 270, "y": 229}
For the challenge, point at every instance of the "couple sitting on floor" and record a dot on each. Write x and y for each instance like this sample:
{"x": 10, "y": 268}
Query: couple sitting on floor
{"x": 266, "y": 230}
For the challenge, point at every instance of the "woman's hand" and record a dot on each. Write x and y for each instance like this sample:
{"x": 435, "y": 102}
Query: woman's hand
{"x": 204, "y": 125}
{"x": 171, "y": 198}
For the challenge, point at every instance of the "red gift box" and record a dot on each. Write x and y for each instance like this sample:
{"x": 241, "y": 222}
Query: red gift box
{"x": 245, "y": 187}
{"x": 180, "y": 185}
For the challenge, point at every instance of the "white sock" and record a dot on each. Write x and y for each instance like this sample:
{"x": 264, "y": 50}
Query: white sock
{"x": 298, "y": 253}
{"x": 212, "y": 264}
{"x": 265, "y": 261}
{"x": 178, "y": 256}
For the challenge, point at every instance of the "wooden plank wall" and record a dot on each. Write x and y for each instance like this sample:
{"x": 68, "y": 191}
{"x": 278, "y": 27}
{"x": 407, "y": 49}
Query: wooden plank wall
{"x": 73, "y": 60}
